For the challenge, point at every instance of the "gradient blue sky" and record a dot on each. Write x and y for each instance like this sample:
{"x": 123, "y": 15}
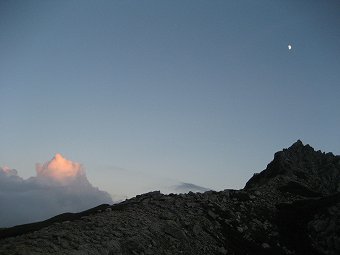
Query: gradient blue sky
{"x": 147, "y": 93}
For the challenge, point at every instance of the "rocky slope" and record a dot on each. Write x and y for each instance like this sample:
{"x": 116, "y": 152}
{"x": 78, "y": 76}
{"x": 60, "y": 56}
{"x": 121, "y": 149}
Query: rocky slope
{"x": 292, "y": 207}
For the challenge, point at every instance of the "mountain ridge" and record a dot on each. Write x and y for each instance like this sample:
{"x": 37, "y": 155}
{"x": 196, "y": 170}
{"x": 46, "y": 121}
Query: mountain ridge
{"x": 291, "y": 207}
{"x": 316, "y": 170}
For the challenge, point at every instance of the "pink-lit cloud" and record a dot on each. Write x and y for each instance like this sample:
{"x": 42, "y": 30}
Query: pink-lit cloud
{"x": 60, "y": 186}
{"x": 60, "y": 170}
{"x": 8, "y": 171}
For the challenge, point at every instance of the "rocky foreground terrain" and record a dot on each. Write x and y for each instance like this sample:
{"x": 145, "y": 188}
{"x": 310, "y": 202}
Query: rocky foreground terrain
{"x": 292, "y": 207}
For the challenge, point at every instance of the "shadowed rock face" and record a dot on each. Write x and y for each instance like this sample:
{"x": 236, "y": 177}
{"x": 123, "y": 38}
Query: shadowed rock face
{"x": 300, "y": 165}
{"x": 292, "y": 207}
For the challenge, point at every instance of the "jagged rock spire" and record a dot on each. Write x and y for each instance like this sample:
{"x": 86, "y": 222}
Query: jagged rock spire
{"x": 300, "y": 163}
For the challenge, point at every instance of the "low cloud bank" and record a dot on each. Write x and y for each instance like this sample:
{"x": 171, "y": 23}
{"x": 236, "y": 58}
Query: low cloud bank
{"x": 59, "y": 186}
{"x": 182, "y": 188}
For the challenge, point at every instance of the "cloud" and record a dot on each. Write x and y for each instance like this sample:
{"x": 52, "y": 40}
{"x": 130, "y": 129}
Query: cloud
{"x": 60, "y": 170}
{"x": 59, "y": 186}
{"x": 185, "y": 187}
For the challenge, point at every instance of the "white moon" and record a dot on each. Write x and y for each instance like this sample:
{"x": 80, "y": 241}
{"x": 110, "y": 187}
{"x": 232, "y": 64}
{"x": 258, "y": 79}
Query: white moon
{"x": 289, "y": 46}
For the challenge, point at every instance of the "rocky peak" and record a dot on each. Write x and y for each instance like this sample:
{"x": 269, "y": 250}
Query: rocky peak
{"x": 302, "y": 165}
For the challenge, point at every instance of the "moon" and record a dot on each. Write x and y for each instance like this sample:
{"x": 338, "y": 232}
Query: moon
{"x": 289, "y": 46}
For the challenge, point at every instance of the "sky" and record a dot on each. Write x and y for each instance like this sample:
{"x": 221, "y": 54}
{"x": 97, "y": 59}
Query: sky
{"x": 156, "y": 95}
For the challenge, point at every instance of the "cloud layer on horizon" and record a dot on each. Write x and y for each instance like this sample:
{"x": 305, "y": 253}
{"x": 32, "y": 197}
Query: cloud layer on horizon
{"x": 59, "y": 186}
{"x": 185, "y": 187}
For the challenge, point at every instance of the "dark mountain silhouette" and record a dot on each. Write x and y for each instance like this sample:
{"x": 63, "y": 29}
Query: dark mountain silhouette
{"x": 302, "y": 169}
{"x": 291, "y": 207}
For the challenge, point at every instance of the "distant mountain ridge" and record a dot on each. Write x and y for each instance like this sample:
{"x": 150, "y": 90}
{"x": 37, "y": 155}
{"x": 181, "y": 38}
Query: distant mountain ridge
{"x": 291, "y": 207}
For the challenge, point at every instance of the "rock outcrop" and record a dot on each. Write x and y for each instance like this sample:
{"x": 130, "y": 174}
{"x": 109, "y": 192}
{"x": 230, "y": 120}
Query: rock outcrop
{"x": 292, "y": 207}
{"x": 300, "y": 169}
